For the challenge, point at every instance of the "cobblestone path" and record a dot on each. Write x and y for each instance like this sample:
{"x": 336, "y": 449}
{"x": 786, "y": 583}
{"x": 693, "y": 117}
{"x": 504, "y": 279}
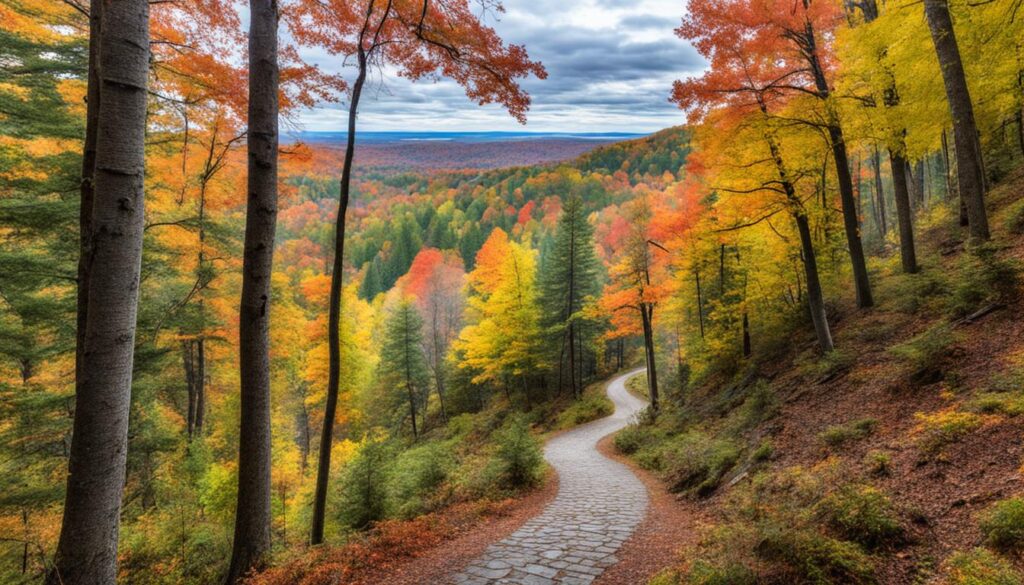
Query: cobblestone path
{"x": 599, "y": 504}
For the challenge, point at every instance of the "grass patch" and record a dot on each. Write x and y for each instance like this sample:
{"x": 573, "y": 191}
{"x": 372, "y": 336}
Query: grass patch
{"x": 695, "y": 463}
{"x": 1008, "y": 403}
{"x": 938, "y": 429}
{"x": 878, "y": 463}
{"x": 1003, "y": 525}
{"x": 980, "y": 567}
{"x": 982, "y": 278}
{"x": 838, "y": 435}
{"x": 925, "y": 354}
{"x": 591, "y": 406}
{"x": 817, "y": 367}
{"x": 863, "y": 514}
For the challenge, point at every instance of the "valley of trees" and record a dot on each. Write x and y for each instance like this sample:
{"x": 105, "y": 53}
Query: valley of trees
{"x": 223, "y": 353}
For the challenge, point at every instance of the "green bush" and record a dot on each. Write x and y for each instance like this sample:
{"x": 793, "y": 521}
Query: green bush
{"x": 1008, "y": 403}
{"x": 696, "y": 462}
{"x": 878, "y": 463}
{"x": 705, "y": 573}
{"x": 763, "y": 452}
{"x": 938, "y": 429}
{"x": 364, "y": 485}
{"x": 983, "y": 277}
{"x": 1015, "y": 218}
{"x": 760, "y": 405}
{"x": 862, "y": 514}
{"x": 980, "y": 567}
{"x": 1003, "y": 525}
{"x": 839, "y": 435}
{"x": 817, "y": 366}
{"x": 589, "y": 407}
{"x": 629, "y": 440}
{"x": 415, "y": 478}
{"x": 815, "y": 558}
{"x": 518, "y": 456}
{"x": 924, "y": 354}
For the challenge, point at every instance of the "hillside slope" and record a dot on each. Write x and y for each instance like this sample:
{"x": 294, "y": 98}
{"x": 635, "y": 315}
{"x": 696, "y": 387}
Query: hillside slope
{"x": 895, "y": 459}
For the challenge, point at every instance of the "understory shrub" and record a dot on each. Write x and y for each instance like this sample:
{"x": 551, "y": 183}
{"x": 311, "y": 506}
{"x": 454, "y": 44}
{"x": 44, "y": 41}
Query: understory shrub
{"x": 518, "y": 456}
{"x": 415, "y": 478}
{"x": 364, "y": 484}
{"x": 939, "y": 429}
{"x": 863, "y": 514}
{"x": 878, "y": 463}
{"x": 1015, "y": 218}
{"x": 695, "y": 462}
{"x": 1008, "y": 403}
{"x": 629, "y": 440}
{"x": 839, "y": 435}
{"x": 784, "y": 527}
{"x": 1003, "y": 525}
{"x": 815, "y": 558}
{"x": 590, "y": 407}
{"x": 980, "y": 567}
{"x": 925, "y": 354}
{"x": 983, "y": 277}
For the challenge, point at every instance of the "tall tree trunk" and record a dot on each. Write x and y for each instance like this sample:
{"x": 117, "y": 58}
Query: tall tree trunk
{"x": 970, "y": 175}
{"x": 815, "y": 299}
{"x": 334, "y": 310}
{"x": 879, "y": 193}
{"x": 87, "y": 549}
{"x": 200, "y": 372}
{"x": 647, "y": 317}
{"x": 917, "y": 175}
{"x": 86, "y": 190}
{"x": 700, "y": 303}
{"x": 861, "y": 283}
{"x": 904, "y": 214}
{"x": 252, "y": 512}
{"x": 837, "y": 141}
{"x": 190, "y": 382}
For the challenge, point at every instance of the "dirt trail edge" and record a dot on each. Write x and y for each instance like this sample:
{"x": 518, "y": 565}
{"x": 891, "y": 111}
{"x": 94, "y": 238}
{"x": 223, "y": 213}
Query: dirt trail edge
{"x": 599, "y": 504}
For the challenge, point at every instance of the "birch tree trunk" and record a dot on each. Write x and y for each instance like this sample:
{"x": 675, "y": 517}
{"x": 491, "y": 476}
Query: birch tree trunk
{"x": 252, "y": 511}
{"x": 87, "y": 549}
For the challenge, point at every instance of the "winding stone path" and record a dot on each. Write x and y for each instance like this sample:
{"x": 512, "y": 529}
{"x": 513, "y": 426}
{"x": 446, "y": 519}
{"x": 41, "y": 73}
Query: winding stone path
{"x": 598, "y": 506}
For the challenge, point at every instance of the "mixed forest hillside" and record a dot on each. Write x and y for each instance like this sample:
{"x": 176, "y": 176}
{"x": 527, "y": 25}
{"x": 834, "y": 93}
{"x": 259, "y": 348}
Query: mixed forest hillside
{"x": 231, "y": 357}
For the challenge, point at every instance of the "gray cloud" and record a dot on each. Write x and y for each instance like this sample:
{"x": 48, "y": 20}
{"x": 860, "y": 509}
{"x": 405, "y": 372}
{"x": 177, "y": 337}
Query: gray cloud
{"x": 610, "y": 66}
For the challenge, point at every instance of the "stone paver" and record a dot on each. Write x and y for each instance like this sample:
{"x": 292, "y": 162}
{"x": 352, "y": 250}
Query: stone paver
{"x": 598, "y": 506}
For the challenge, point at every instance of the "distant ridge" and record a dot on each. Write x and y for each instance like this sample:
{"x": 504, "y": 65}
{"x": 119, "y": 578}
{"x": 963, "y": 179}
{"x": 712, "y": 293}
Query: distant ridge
{"x": 465, "y": 137}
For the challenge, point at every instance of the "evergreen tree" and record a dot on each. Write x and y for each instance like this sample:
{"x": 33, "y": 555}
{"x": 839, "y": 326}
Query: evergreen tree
{"x": 373, "y": 282}
{"x": 403, "y": 369}
{"x": 569, "y": 271}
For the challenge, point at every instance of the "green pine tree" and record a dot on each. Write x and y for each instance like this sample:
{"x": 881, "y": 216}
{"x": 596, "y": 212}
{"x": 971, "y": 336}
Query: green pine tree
{"x": 569, "y": 277}
{"x": 403, "y": 369}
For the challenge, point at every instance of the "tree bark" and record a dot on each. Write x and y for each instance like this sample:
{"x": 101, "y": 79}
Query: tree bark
{"x": 837, "y": 141}
{"x": 252, "y": 512}
{"x": 879, "y": 193}
{"x": 647, "y": 317}
{"x": 904, "y": 214}
{"x": 334, "y": 310}
{"x": 87, "y": 549}
{"x": 970, "y": 176}
{"x": 815, "y": 299}
{"x": 86, "y": 190}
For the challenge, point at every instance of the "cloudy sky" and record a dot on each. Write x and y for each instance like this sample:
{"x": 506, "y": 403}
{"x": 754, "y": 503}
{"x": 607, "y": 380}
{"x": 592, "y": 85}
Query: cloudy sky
{"x": 610, "y": 67}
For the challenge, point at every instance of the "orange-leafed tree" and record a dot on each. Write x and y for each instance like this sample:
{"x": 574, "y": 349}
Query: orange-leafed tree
{"x": 638, "y": 281}
{"x": 778, "y": 52}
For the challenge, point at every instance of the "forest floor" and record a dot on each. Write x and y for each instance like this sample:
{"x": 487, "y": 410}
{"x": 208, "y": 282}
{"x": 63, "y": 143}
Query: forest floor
{"x": 922, "y": 402}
